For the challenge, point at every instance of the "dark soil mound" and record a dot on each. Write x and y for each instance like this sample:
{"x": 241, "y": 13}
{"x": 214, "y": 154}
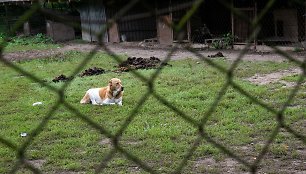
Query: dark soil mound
{"x": 61, "y": 78}
{"x": 92, "y": 71}
{"x": 219, "y": 54}
{"x": 140, "y": 63}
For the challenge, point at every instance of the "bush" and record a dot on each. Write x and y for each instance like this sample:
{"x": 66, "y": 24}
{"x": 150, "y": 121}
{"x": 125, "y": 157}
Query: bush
{"x": 226, "y": 42}
{"x": 2, "y": 36}
{"x": 26, "y": 40}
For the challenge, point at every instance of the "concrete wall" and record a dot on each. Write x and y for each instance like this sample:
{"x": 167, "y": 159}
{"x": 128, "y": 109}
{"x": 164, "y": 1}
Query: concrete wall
{"x": 26, "y": 28}
{"x": 164, "y": 32}
{"x": 59, "y": 32}
{"x": 114, "y": 33}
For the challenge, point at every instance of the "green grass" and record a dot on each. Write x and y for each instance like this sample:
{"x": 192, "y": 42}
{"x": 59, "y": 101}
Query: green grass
{"x": 14, "y": 48}
{"x": 27, "y": 43}
{"x": 157, "y": 135}
{"x": 292, "y": 78}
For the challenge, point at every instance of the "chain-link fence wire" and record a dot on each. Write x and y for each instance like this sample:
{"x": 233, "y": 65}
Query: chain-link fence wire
{"x": 151, "y": 91}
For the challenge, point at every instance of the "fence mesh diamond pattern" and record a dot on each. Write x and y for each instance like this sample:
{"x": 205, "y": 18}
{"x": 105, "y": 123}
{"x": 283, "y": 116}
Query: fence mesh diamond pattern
{"x": 247, "y": 25}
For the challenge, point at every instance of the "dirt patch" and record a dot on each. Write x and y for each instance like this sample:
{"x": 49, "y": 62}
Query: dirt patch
{"x": 92, "y": 71}
{"x": 135, "y": 169}
{"x": 133, "y": 63}
{"x": 210, "y": 165}
{"x": 88, "y": 72}
{"x": 264, "y": 79}
{"x": 218, "y": 54}
{"x": 70, "y": 172}
{"x": 231, "y": 164}
{"x": 282, "y": 166}
{"x": 269, "y": 164}
{"x": 61, "y": 78}
{"x": 129, "y": 50}
{"x": 302, "y": 152}
{"x": 205, "y": 162}
{"x": 105, "y": 141}
{"x": 131, "y": 142}
{"x": 300, "y": 125}
{"x": 37, "y": 163}
{"x": 287, "y": 84}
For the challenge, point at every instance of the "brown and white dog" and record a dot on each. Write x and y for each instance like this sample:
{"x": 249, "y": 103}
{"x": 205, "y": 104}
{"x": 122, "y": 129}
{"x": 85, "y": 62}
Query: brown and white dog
{"x": 111, "y": 94}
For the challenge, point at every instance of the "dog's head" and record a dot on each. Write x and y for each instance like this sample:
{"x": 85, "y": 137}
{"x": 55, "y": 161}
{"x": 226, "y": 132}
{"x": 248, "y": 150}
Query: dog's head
{"x": 115, "y": 85}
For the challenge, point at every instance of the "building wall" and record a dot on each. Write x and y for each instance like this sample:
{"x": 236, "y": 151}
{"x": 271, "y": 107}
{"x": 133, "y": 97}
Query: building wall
{"x": 288, "y": 17}
{"x": 137, "y": 27}
{"x": 59, "y": 32}
{"x": 9, "y": 15}
{"x": 93, "y": 21}
{"x": 113, "y": 33}
{"x": 164, "y": 32}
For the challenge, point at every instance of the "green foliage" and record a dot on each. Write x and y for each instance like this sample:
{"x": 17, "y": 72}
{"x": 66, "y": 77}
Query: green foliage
{"x": 29, "y": 40}
{"x": 2, "y": 37}
{"x": 298, "y": 49}
{"x": 226, "y": 42}
{"x": 23, "y": 43}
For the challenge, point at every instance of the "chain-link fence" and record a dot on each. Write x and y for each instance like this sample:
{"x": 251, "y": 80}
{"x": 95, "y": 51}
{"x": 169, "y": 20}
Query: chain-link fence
{"x": 219, "y": 24}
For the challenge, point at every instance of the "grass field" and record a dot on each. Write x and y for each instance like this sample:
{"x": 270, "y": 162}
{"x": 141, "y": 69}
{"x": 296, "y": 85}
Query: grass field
{"x": 27, "y": 43}
{"x": 157, "y": 135}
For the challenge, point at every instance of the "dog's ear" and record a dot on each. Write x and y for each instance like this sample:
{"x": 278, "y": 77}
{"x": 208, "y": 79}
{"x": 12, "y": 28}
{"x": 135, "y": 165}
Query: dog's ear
{"x": 110, "y": 83}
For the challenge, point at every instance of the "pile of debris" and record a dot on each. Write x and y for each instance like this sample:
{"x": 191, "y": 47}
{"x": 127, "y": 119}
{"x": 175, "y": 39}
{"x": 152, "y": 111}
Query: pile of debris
{"x": 92, "y": 71}
{"x": 140, "y": 63}
{"x": 132, "y": 63}
{"x": 61, "y": 78}
{"x": 218, "y": 54}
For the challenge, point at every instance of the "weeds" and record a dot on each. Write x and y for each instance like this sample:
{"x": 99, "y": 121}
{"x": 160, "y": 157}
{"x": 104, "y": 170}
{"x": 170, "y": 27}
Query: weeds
{"x": 23, "y": 43}
{"x": 28, "y": 40}
{"x": 225, "y": 43}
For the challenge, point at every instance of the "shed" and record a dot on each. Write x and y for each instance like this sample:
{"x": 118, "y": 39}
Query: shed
{"x": 137, "y": 24}
{"x": 286, "y": 24}
{"x": 93, "y": 20}
{"x": 10, "y": 10}
{"x": 38, "y": 23}
{"x": 283, "y": 23}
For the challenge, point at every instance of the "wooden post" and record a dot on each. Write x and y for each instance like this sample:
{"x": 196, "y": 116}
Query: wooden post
{"x": 164, "y": 32}
{"x": 188, "y": 31}
{"x": 26, "y": 28}
{"x": 113, "y": 33}
{"x": 232, "y": 21}
{"x": 171, "y": 21}
{"x": 301, "y": 23}
{"x": 255, "y": 15}
{"x": 6, "y": 20}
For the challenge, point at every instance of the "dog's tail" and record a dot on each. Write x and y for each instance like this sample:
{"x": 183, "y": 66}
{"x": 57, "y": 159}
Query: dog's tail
{"x": 85, "y": 99}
